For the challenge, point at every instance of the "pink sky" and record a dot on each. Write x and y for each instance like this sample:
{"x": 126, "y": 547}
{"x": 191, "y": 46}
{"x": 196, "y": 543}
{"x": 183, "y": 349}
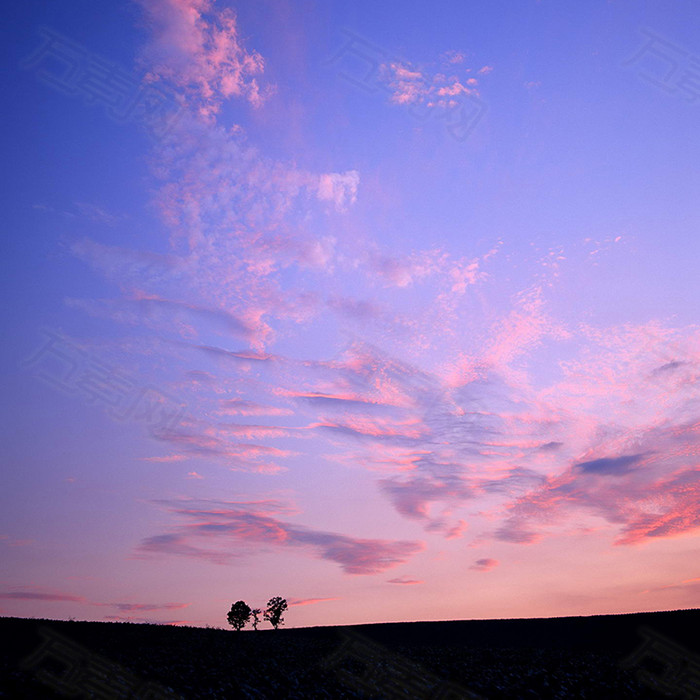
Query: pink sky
{"x": 384, "y": 371}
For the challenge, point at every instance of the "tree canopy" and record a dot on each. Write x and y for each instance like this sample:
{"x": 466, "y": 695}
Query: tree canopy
{"x": 274, "y": 611}
{"x": 238, "y": 615}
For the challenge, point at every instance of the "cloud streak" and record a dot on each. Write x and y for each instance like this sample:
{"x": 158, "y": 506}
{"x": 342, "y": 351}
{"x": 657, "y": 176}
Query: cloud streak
{"x": 484, "y": 564}
{"x": 229, "y": 526}
{"x": 42, "y": 596}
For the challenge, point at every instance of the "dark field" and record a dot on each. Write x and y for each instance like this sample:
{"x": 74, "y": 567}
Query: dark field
{"x": 575, "y": 657}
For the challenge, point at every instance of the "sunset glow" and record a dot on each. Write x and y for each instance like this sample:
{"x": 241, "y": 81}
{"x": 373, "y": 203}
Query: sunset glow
{"x": 388, "y": 309}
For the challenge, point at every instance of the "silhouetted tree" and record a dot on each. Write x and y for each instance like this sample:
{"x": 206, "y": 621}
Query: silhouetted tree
{"x": 275, "y": 609}
{"x": 255, "y": 613}
{"x": 238, "y": 615}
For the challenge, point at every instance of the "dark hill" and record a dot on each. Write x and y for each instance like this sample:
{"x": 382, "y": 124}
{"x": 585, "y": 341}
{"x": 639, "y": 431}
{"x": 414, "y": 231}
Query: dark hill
{"x": 573, "y": 657}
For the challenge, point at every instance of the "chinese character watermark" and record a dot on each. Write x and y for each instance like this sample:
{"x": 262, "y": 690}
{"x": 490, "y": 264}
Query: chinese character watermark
{"x": 74, "y": 671}
{"x": 665, "y": 665}
{"x": 368, "y": 667}
{"x": 71, "y": 370}
{"x": 667, "y": 66}
{"x": 72, "y": 69}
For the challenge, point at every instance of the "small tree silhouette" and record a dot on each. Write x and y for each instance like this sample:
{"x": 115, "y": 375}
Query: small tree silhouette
{"x": 255, "y": 613}
{"x": 275, "y": 609}
{"x": 238, "y": 615}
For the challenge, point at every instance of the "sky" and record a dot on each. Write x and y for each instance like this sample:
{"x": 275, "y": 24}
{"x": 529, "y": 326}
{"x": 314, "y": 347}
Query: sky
{"x": 388, "y": 308}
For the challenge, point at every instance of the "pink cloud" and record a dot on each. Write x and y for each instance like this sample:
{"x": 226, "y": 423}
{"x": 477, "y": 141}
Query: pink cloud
{"x": 368, "y": 426}
{"x": 244, "y": 407}
{"x": 429, "y": 88}
{"x": 442, "y": 279}
{"x": 221, "y": 441}
{"x": 484, "y": 564}
{"x": 517, "y": 424}
{"x": 176, "y": 544}
{"x": 644, "y": 495}
{"x": 339, "y": 188}
{"x": 165, "y": 458}
{"x": 405, "y": 581}
{"x": 455, "y": 531}
{"x": 54, "y": 597}
{"x": 385, "y": 457}
{"x": 147, "y": 607}
{"x": 407, "y": 86}
{"x": 251, "y": 431}
{"x": 687, "y": 584}
{"x": 58, "y": 597}
{"x": 254, "y": 523}
{"x": 231, "y": 214}
{"x": 309, "y": 601}
{"x": 676, "y": 514}
{"x": 197, "y": 47}
{"x": 414, "y": 498}
{"x": 245, "y": 355}
{"x": 521, "y": 330}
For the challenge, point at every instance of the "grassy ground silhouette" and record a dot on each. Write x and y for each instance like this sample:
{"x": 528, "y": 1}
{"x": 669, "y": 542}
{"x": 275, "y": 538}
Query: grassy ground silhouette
{"x": 574, "y": 657}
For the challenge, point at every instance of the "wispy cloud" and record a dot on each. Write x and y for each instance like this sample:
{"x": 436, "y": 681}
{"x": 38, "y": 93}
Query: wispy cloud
{"x": 309, "y": 601}
{"x": 165, "y": 458}
{"x": 405, "y": 581}
{"x": 224, "y": 443}
{"x": 411, "y": 86}
{"x": 339, "y": 188}
{"x": 197, "y": 47}
{"x": 648, "y": 495}
{"x": 31, "y": 593}
{"x": 83, "y": 211}
{"x": 687, "y": 585}
{"x": 484, "y": 564}
{"x": 145, "y": 607}
{"x": 223, "y": 523}
{"x": 244, "y": 407}
{"x": 54, "y": 597}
